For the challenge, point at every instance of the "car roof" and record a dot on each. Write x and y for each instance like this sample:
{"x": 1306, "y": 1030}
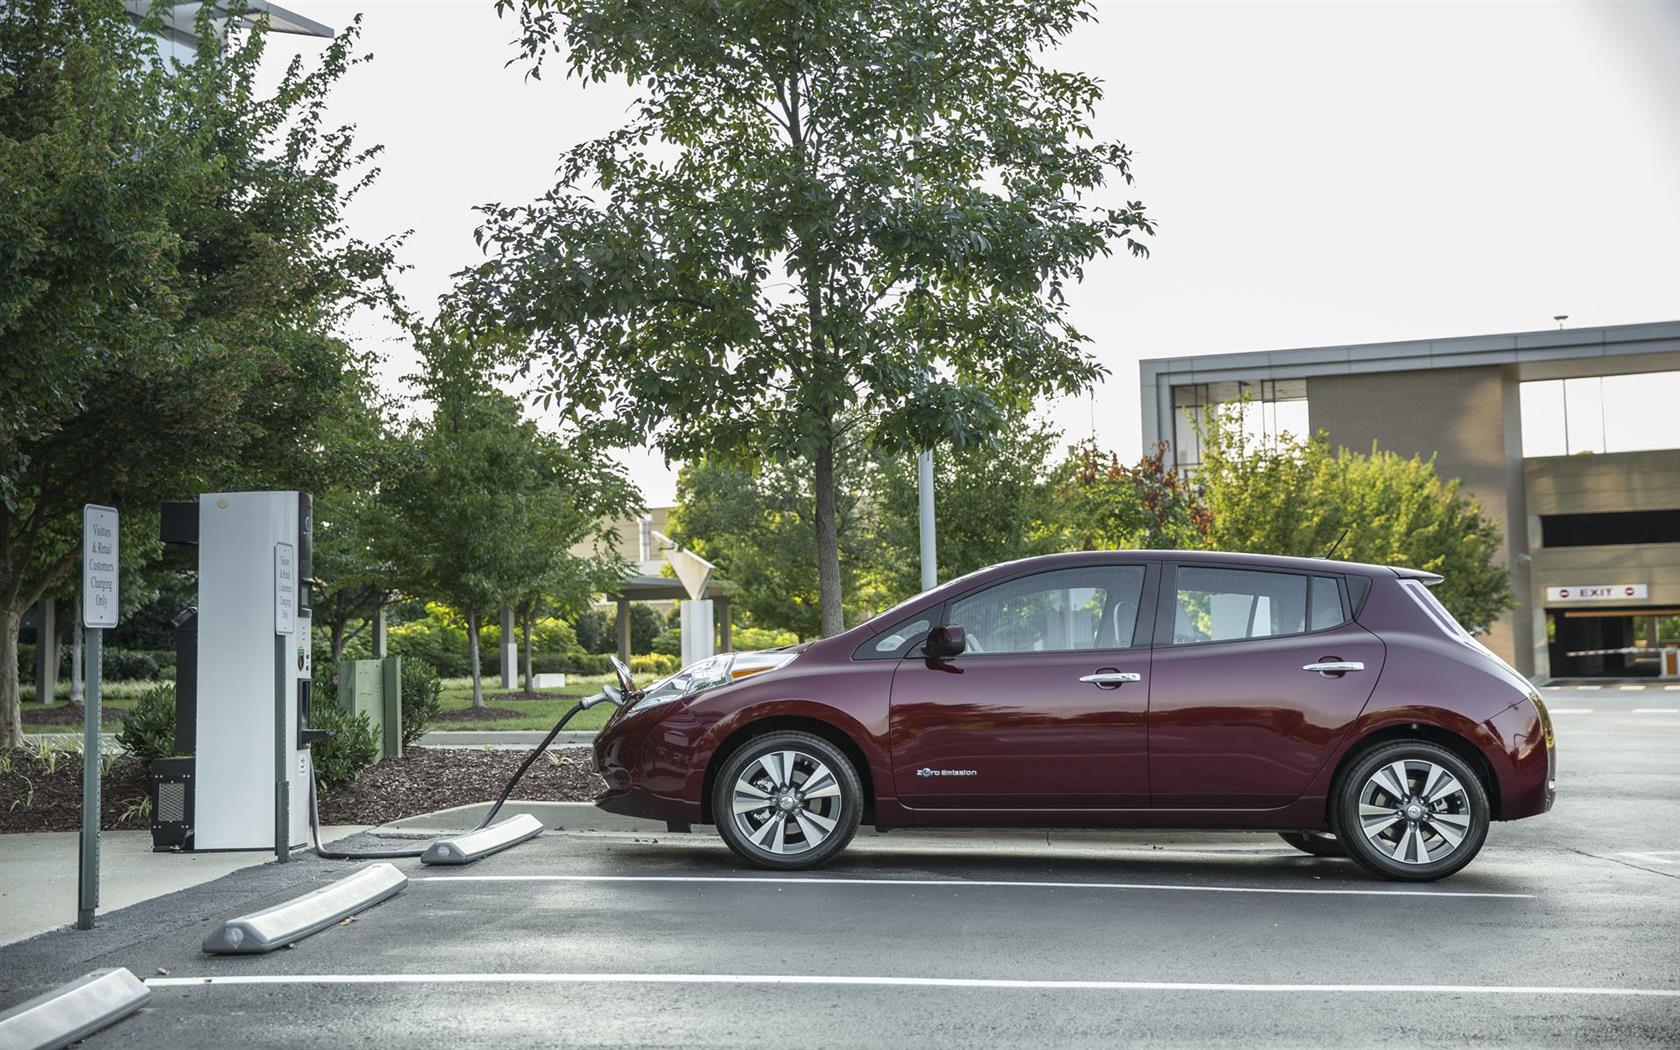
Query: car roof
{"x": 1257, "y": 561}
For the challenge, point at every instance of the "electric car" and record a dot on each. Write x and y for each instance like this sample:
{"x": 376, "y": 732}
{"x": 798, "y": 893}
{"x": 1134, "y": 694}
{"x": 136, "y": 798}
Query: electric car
{"x": 1337, "y": 704}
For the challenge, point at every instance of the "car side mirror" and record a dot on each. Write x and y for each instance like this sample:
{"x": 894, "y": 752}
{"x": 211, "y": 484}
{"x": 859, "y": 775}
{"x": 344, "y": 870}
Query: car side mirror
{"x": 947, "y": 641}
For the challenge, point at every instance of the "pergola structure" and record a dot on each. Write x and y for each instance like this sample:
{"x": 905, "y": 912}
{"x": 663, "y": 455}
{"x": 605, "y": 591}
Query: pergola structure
{"x": 637, "y": 587}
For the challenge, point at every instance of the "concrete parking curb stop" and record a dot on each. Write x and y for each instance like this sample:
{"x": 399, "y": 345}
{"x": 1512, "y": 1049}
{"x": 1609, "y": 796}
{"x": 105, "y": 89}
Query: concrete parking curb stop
{"x": 73, "y": 1012}
{"x": 476, "y": 845}
{"x": 276, "y": 927}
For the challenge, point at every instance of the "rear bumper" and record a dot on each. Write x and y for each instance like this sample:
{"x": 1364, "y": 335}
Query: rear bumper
{"x": 1525, "y": 766}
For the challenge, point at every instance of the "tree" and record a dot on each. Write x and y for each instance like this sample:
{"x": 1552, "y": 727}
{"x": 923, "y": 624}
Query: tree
{"x": 1300, "y": 497}
{"x": 825, "y": 227}
{"x": 487, "y": 505}
{"x": 1100, "y": 505}
{"x": 753, "y": 521}
{"x": 175, "y": 271}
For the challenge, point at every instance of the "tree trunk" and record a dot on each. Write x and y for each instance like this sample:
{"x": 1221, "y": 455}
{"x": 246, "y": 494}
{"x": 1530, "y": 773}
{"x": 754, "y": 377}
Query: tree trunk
{"x": 11, "y": 713}
{"x": 828, "y": 545}
{"x": 335, "y": 631}
{"x": 527, "y": 625}
{"x": 477, "y": 674}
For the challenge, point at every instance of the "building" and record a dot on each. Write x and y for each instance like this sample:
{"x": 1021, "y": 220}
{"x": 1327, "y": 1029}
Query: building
{"x": 637, "y": 541}
{"x": 178, "y": 40}
{"x": 1568, "y": 438}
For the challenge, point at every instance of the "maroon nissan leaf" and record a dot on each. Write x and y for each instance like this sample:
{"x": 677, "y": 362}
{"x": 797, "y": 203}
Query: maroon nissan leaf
{"x": 1337, "y": 704}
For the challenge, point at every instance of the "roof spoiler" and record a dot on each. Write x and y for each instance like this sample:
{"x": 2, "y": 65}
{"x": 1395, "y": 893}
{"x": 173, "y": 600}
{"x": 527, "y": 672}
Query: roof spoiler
{"x": 1428, "y": 579}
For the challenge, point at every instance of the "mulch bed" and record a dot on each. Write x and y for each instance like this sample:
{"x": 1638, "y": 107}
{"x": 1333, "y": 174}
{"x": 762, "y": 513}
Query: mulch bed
{"x": 475, "y": 714}
{"x": 32, "y": 798}
{"x": 423, "y": 780}
{"x": 431, "y": 778}
{"x": 70, "y": 715}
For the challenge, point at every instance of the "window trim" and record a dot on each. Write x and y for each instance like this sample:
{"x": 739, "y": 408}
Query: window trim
{"x": 1167, "y": 606}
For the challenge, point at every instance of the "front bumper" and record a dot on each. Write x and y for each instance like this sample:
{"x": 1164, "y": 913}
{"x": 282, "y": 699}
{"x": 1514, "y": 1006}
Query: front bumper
{"x": 647, "y": 758}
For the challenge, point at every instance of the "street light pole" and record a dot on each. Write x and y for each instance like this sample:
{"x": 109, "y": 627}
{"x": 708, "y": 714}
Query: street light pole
{"x": 924, "y": 491}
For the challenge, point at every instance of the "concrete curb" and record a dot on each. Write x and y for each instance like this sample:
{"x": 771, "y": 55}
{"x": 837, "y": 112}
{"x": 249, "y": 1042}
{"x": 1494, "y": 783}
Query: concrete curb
{"x": 276, "y": 927}
{"x": 476, "y": 845}
{"x": 72, "y": 1012}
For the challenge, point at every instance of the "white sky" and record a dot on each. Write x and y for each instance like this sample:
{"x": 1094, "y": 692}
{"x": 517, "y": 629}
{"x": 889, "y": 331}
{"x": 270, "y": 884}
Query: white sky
{"x": 1320, "y": 174}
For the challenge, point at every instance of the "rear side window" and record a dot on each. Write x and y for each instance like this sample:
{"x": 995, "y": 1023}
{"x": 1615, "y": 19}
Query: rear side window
{"x": 1326, "y": 609}
{"x": 1221, "y": 605}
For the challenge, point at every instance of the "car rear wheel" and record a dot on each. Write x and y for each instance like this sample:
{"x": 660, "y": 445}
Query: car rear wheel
{"x": 1318, "y": 843}
{"x": 1411, "y": 810}
{"x": 787, "y": 800}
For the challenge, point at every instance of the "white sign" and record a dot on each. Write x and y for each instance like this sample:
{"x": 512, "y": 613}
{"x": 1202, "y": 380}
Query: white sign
{"x": 1598, "y": 592}
{"x": 99, "y": 566}
{"x": 285, "y": 589}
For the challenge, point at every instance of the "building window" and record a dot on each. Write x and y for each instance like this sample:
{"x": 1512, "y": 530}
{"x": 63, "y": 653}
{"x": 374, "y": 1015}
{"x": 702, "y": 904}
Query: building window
{"x": 647, "y": 539}
{"x": 1611, "y": 527}
{"x": 1269, "y": 410}
{"x": 1625, "y": 413}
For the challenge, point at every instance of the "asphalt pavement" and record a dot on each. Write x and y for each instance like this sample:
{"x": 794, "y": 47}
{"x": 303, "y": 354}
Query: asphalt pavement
{"x": 1564, "y": 932}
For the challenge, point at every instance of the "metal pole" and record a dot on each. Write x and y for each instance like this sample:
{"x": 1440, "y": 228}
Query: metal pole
{"x": 87, "y": 888}
{"x": 924, "y": 488}
{"x": 282, "y": 782}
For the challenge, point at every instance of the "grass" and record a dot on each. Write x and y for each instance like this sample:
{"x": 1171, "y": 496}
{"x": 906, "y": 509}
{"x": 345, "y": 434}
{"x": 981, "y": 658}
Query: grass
{"x": 456, "y": 695}
{"x": 538, "y": 714}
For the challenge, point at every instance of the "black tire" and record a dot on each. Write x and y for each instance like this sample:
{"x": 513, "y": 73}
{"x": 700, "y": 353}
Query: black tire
{"x": 1318, "y": 843}
{"x": 1465, "y": 812}
{"x": 844, "y": 809}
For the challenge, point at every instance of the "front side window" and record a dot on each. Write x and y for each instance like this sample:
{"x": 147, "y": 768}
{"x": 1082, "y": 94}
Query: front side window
{"x": 1062, "y": 611}
{"x": 1221, "y": 605}
{"x": 896, "y": 642}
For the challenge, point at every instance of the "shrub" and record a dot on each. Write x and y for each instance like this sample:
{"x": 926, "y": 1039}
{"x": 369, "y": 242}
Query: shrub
{"x": 147, "y": 665}
{"x": 668, "y": 642}
{"x": 350, "y": 749}
{"x": 747, "y": 639}
{"x": 421, "y": 698}
{"x": 595, "y": 634}
{"x": 658, "y": 664}
{"x": 148, "y": 730}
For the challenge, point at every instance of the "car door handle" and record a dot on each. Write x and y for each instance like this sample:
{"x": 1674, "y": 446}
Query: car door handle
{"x": 1111, "y": 677}
{"x": 1330, "y": 667}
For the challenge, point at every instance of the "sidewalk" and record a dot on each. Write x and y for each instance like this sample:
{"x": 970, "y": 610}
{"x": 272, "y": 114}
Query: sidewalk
{"x": 38, "y": 875}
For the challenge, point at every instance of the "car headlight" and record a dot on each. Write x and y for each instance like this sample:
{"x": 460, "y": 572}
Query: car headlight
{"x": 710, "y": 673}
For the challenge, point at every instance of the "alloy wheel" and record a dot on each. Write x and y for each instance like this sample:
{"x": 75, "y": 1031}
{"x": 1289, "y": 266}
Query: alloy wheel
{"x": 1414, "y": 811}
{"x": 786, "y": 802}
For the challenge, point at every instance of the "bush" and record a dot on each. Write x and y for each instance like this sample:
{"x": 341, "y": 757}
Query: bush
{"x": 668, "y": 642}
{"x": 595, "y": 633}
{"x": 147, "y": 665}
{"x": 657, "y": 664}
{"x": 421, "y": 698}
{"x": 746, "y": 639}
{"x": 351, "y": 748}
{"x": 148, "y": 730}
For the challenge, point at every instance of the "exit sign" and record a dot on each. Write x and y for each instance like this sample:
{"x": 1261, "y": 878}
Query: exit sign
{"x": 1598, "y": 592}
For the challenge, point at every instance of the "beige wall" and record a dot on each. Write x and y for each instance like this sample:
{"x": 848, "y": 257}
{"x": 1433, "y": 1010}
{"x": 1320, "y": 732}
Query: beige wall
{"x": 1470, "y": 420}
{"x": 1587, "y": 484}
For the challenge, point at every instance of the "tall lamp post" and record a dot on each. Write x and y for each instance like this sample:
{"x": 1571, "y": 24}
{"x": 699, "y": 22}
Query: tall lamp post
{"x": 924, "y": 492}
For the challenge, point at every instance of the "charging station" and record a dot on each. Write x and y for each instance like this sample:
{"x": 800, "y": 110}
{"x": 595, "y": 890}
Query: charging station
{"x": 244, "y": 666}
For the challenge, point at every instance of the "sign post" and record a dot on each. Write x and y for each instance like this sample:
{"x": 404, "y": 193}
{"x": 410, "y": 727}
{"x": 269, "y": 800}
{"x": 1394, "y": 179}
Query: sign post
{"x": 285, "y": 620}
{"x": 99, "y": 611}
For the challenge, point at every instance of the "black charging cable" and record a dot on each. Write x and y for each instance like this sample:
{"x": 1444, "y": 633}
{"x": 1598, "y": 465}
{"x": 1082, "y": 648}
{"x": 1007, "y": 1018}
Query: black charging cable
{"x": 405, "y": 854}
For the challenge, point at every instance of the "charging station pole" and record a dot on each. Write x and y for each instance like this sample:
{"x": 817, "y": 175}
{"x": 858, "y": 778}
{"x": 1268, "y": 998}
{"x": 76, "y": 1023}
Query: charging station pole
{"x": 99, "y": 611}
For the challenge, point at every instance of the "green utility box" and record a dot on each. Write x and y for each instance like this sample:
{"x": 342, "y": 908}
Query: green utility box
{"x": 374, "y": 687}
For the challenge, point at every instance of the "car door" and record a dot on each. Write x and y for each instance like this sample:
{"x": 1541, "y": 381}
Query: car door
{"x": 1046, "y": 707}
{"x": 1256, "y": 675}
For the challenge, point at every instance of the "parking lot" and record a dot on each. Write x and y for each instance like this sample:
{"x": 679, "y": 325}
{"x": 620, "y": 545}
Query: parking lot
{"x": 1565, "y": 931}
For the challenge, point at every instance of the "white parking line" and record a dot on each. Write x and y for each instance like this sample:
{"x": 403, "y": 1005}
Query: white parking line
{"x": 756, "y": 879}
{"x": 1671, "y": 688}
{"x": 1656, "y": 710}
{"x": 1631, "y": 688}
{"x": 901, "y": 982}
{"x": 1589, "y": 687}
{"x": 1659, "y": 856}
{"x": 1570, "y": 711}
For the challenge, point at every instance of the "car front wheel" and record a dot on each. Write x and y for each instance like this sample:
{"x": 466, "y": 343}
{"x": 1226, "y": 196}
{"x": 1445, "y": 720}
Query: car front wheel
{"x": 1411, "y": 810}
{"x": 787, "y": 800}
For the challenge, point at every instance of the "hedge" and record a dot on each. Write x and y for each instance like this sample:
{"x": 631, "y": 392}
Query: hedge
{"x": 120, "y": 665}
